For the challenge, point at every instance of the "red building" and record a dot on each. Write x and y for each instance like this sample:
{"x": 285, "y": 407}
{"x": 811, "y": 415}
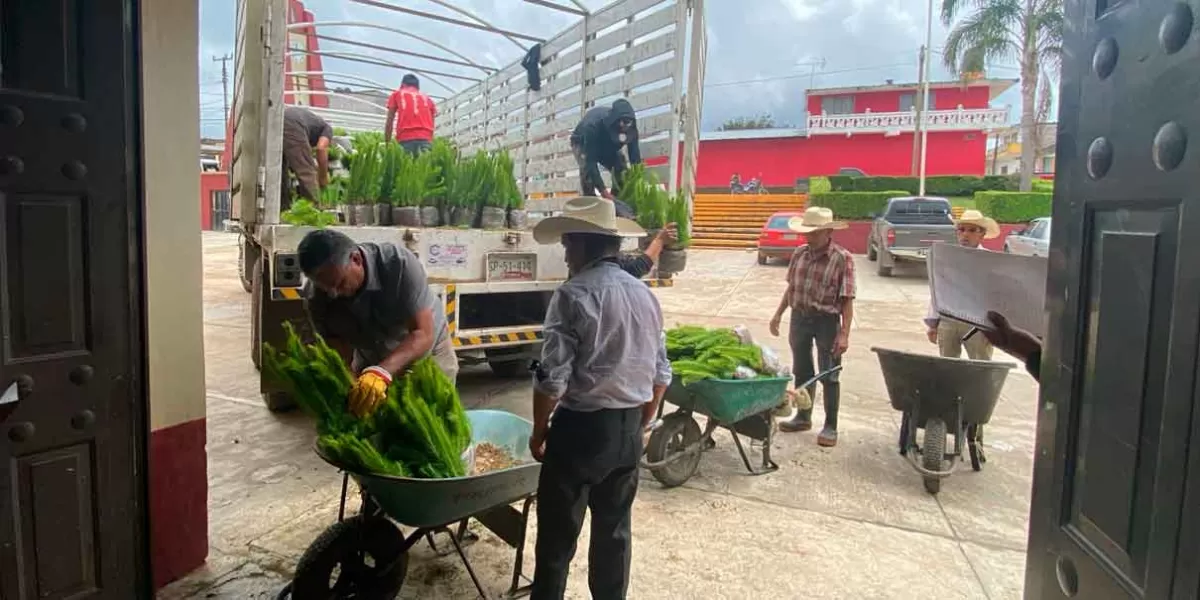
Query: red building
{"x": 868, "y": 128}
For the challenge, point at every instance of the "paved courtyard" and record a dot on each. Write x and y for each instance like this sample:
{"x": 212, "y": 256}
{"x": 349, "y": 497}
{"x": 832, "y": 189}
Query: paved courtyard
{"x": 849, "y": 522}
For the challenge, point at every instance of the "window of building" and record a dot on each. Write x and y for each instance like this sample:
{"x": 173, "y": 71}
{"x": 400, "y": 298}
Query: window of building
{"x": 837, "y": 105}
{"x": 1004, "y": 170}
{"x": 1047, "y": 164}
{"x": 908, "y": 100}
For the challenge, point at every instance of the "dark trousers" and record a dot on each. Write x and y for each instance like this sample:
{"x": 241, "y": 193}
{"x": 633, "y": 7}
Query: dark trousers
{"x": 587, "y": 187}
{"x": 415, "y": 147}
{"x": 591, "y": 462}
{"x": 819, "y": 330}
{"x": 298, "y": 158}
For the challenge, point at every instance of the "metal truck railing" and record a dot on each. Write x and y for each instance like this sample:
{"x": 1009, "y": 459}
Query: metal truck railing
{"x": 649, "y": 51}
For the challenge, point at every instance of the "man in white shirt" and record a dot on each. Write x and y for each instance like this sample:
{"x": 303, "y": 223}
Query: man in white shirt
{"x": 972, "y": 228}
{"x": 603, "y": 372}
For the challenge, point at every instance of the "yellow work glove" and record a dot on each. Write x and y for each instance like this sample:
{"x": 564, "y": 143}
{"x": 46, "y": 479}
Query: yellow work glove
{"x": 369, "y": 391}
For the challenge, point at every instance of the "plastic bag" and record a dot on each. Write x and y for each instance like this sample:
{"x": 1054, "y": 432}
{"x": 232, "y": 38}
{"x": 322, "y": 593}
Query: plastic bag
{"x": 772, "y": 366}
{"x": 744, "y": 372}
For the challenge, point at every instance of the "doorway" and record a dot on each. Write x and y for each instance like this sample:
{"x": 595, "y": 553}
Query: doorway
{"x": 72, "y": 395}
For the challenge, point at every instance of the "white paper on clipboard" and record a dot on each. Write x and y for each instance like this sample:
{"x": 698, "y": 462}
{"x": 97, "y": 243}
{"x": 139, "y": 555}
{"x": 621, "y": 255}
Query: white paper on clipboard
{"x": 966, "y": 283}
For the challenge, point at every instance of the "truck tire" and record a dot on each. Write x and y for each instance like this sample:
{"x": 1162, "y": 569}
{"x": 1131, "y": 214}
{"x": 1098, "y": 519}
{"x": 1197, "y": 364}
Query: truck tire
{"x": 274, "y": 401}
{"x": 762, "y": 258}
{"x": 508, "y": 368}
{"x": 872, "y": 253}
{"x": 248, "y": 258}
{"x": 884, "y": 269}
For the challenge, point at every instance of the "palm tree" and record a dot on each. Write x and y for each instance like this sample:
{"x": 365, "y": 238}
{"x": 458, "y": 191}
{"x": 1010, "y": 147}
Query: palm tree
{"x": 1029, "y": 31}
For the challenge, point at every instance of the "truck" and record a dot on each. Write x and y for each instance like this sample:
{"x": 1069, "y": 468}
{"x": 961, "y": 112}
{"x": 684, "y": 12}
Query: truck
{"x": 906, "y": 229}
{"x": 494, "y": 285}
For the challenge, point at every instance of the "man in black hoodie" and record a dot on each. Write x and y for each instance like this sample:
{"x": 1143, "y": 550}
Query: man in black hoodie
{"x": 597, "y": 140}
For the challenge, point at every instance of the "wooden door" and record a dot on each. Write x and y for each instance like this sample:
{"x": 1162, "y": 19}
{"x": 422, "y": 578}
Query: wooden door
{"x": 1117, "y": 473}
{"x": 72, "y": 428}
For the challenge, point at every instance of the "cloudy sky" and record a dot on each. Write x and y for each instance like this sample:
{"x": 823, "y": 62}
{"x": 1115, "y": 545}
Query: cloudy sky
{"x": 759, "y": 61}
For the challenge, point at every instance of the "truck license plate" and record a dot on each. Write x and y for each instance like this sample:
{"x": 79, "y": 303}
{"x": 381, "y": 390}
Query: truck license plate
{"x": 789, "y": 236}
{"x": 511, "y": 267}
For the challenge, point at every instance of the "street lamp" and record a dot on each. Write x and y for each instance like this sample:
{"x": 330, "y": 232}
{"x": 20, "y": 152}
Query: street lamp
{"x": 924, "y": 115}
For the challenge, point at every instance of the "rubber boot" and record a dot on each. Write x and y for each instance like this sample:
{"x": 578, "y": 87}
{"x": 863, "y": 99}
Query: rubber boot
{"x": 801, "y": 422}
{"x": 828, "y": 437}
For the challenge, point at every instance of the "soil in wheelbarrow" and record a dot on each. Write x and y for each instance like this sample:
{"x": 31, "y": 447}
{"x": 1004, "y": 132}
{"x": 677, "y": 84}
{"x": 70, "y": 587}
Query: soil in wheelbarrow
{"x": 490, "y": 457}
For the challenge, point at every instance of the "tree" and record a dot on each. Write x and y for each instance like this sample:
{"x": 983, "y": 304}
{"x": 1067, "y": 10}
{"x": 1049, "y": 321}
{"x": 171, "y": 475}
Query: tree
{"x": 1029, "y": 31}
{"x": 764, "y": 121}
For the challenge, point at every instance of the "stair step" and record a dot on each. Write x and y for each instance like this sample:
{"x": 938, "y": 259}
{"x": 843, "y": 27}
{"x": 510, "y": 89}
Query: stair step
{"x": 723, "y": 244}
{"x": 739, "y": 232}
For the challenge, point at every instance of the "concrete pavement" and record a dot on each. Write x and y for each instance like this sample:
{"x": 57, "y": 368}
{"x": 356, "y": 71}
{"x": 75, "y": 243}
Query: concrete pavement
{"x": 848, "y": 522}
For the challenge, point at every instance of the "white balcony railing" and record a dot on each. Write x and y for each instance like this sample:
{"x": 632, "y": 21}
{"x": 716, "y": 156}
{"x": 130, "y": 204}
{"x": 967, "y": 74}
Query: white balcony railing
{"x": 897, "y": 122}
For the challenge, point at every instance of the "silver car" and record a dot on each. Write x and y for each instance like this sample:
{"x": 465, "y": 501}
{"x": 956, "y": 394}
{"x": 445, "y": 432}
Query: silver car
{"x": 1033, "y": 240}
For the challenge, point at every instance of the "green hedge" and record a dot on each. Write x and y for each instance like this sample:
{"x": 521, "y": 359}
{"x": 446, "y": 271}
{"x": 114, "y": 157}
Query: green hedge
{"x": 819, "y": 185}
{"x": 854, "y": 206}
{"x": 1014, "y": 207}
{"x": 1043, "y": 185}
{"x": 944, "y": 185}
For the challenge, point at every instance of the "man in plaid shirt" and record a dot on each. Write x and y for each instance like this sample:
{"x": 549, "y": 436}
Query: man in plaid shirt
{"x": 820, "y": 293}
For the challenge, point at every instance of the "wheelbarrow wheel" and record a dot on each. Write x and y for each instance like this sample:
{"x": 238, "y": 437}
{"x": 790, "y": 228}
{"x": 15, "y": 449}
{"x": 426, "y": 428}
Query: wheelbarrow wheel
{"x": 677, "y": 432}
{"x": 361, "y": 557}
{"x": 933, "y": 452}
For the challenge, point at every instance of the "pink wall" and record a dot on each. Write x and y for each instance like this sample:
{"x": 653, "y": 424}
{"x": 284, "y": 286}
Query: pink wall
{"x": 210, "y": 182}
{"x": 783, "y": 160}
{"x": 889, "y": 100}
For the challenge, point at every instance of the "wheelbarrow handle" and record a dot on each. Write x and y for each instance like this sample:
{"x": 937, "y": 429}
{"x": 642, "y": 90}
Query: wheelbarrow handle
{"x": 819, "y": 376}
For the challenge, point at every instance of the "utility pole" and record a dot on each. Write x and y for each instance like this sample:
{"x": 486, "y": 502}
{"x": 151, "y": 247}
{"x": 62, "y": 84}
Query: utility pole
{"x": 924, "y": 96}
{"x": 224, "y": 89}
{"x": 918, "y": 123}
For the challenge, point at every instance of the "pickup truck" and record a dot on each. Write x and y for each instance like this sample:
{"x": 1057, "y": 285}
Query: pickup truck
{"x": 906, "y": 230}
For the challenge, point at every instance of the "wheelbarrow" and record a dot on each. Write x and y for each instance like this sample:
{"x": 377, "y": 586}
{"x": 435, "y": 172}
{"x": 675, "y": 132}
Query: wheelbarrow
{"x": 366, "y": 555}
{"x": 934, "y": 392}
{"x": 742, "y": 406}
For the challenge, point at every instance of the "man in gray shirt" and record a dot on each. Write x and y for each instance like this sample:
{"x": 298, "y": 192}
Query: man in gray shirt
{"x": 603, "y": 373}
{"x": 372, "y": 303}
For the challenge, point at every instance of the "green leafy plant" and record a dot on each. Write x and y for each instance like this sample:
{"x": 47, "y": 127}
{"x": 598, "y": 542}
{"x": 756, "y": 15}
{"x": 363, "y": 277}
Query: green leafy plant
{"x": 504, "y": 191}
{"x": 677, "y": 213}
{"x": 472, "y": 180}
{"x": 1045, "y": 186}
{"x": 1014, "y": 207}
{"x": 421, "y": 430}
{"x": 943, "y": 185}
{"x": 444, "y": 158}
{"x": 640, "y": 190}
{"x": 305, "y": 213}
{"x": 366, "y": 170}
{"x": 416, "y": 178}
{"x": 819, "y": 185}
{"x": 855, "y": 205}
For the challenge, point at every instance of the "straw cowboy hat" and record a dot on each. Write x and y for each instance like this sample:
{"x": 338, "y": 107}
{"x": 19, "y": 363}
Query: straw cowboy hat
{"x": 974, "y": 217}
{"x": 585, "y": 214}
{"x": 815, "y": 217}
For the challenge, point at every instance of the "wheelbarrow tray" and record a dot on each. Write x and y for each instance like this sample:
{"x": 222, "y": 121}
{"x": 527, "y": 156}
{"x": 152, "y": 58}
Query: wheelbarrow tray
{"x": 932, "y": 386}
{"x": 419, "y": 502}
{"x": 728, "y": 400}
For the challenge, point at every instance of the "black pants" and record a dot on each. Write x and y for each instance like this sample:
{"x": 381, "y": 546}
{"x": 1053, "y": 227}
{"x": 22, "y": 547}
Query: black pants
{"x": 818, "y": 330}
{"x": 591, "y": 462}
{"x": 587, "y": 187}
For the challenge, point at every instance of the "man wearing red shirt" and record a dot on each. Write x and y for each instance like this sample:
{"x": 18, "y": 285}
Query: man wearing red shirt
{"x": 411, "y": 113}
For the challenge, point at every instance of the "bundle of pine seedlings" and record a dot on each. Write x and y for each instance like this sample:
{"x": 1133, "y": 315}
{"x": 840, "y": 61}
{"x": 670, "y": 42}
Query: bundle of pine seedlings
{"x": 697, "y": 353}
{"x": 421, "y": 430}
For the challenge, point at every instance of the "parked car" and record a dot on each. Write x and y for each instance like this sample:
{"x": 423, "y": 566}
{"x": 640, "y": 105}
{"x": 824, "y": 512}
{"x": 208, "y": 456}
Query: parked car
{"x": 907, "y": 228}
{"x": 1032, "y": 240}
{"x": 777, "y": 240}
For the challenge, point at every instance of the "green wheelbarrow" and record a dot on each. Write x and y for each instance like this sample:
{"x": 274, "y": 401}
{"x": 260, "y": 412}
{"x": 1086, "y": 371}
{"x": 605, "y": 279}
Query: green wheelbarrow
{"x": 742, "y": 406}
{"x": 365, "y": 556}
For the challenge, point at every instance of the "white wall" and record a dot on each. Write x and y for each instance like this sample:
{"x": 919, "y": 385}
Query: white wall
{"x": 171, "y": 175}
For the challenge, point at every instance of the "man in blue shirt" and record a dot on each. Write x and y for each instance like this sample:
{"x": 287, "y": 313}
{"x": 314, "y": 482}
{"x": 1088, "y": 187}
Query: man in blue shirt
{"x": 604, "y": 371}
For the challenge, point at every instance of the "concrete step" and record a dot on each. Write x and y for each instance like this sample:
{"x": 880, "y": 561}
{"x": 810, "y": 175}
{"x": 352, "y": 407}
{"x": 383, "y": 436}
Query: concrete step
{"x": 755, "y": 207}
{"x": 729, "y": 232}
{"x": 717, "y": 243}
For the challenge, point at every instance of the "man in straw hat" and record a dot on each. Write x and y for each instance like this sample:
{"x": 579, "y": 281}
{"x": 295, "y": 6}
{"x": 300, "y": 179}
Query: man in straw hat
{"x": 820, "y": 293}
{"x": 604, "y": 370}
{"x": 972, "y": 228}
